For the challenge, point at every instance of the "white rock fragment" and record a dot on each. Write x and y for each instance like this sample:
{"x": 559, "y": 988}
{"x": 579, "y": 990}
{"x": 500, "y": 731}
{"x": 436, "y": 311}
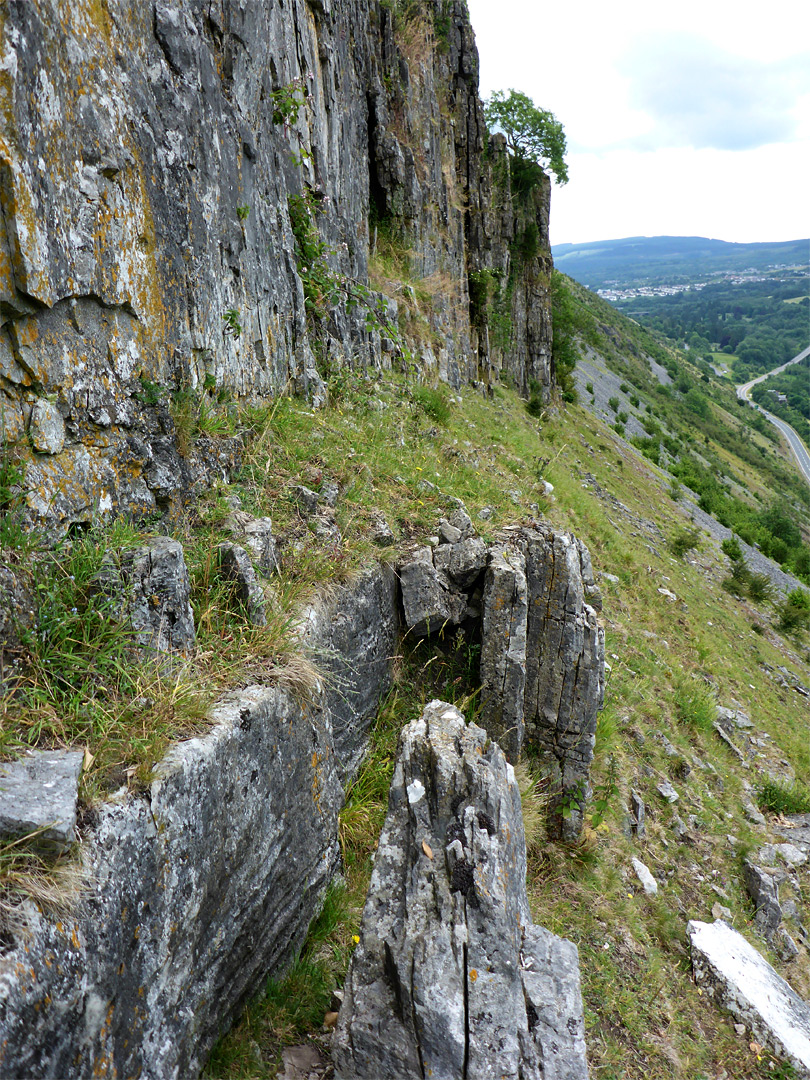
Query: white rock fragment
{"x": 47, "y": 429}
{"x": 648, "y": 882}
{"x": 744, "y": 983}
{"x": 416, "y": 791}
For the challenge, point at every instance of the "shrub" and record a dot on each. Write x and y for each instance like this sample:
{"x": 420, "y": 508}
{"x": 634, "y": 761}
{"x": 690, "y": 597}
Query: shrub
{"x": 731, "y": 547}
{"x": 794, "y": 614}
{"x": 684, "y": 540}
{"x": 695, "y": 705}
{"x": 613, "y": 403}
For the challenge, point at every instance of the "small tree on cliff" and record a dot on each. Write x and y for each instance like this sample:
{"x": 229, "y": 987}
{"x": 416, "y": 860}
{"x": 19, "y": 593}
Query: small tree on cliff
{"x": 533, "y": 136}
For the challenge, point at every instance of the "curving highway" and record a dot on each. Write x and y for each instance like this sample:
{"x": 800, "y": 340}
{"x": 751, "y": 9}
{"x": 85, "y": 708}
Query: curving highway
{"x": 794, "y": 442}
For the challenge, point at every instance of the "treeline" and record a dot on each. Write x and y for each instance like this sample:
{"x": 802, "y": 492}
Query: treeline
{"x": 758, "y": 324}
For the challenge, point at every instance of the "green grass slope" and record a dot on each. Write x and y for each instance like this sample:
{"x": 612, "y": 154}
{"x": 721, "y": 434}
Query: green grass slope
{"x": 680, "y": 640}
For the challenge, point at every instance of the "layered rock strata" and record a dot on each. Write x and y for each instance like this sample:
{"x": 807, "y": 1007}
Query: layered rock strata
{"x": 565, "y": 669}
{"x": 198, "y": 888}
{"x": 451, "y": 978}
{"x": 161, "y": 165}
{"x": 542, "y": 668}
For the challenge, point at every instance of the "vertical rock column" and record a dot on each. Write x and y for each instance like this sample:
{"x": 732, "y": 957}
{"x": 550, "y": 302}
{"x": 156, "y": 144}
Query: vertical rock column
{"x": 565, "y": 669}
{"x": 451, "y": 978}
{"x": 503, "y": 649}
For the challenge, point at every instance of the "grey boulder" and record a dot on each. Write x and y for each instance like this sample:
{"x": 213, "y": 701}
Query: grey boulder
{"x": 158, "y": 600}
{"x": 235, "y": 566}
{"x": 38, "y": 794}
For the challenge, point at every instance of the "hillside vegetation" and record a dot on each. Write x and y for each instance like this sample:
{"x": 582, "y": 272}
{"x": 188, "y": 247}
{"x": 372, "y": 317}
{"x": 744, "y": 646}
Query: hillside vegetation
{"x": 689, "y": 624}
{"x": 680, "y": 641}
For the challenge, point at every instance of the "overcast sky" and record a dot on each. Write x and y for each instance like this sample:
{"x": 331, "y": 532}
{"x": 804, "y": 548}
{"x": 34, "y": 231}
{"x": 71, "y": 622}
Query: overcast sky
{"x": 686, "y": 118}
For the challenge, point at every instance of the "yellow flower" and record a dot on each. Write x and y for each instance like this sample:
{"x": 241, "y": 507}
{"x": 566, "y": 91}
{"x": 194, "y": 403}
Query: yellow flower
{"x": 356, "y": 939}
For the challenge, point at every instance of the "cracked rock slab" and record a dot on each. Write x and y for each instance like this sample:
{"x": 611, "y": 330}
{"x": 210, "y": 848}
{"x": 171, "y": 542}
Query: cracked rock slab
{"x": 451, "y": 978}
{"x": 744, "y": 983}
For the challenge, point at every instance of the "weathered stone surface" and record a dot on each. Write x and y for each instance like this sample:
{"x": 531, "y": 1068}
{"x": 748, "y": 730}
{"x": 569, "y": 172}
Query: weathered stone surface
{"x": 195, "y": 892}
{"x": 162, "y": 207}
{"x": 40, "y": 792}
{"x": 639, "y": 813}
{"x": 503, "y": 649}
{"x": 192, "y": 894}
{"x": 354, "y": 641}
{"x": 16, "y": 617}
{"x": 309, "y": 501}
{"x": 462, "y": 562}
{"x": 235, "y": 566}
{"x": 742, "y": 982}
{"x": 644, "y": 875}
{"x": 565, "y": 669}
{"x": 450, "y": 977}
{"x": 259, "y": 540}
{"x": 764, "y": 891}
{"x": 158, "y": 603}
{"x": 47, "y": 428}
{"x": 429, "y": 604}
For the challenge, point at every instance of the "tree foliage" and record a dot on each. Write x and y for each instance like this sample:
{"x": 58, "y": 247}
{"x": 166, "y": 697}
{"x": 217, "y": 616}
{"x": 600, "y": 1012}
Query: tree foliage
{"x": 532, "y": 134}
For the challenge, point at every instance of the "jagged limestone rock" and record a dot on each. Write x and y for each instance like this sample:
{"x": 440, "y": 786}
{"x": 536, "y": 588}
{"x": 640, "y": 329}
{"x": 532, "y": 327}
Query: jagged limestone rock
{"x": 462, "y": 562}
{"x": 16, "y": 618}
{"x": 158, "y": 591}
{"x": 39, "y": 794}
{"x": 451, "y": 978}
{"x": 744, "y": 983}
{"x": 197, "y": 890}
{"x": 565, "y": 669}
{"x": 764, "y": 891}
{"x": 156, "y": 251}
{"x": 429, "y": 601}
{"x": 235, "y": 566}
{"x": 503, "y": 649}
{"x": 259, "y": 540}
{"x": 47, "y": 428}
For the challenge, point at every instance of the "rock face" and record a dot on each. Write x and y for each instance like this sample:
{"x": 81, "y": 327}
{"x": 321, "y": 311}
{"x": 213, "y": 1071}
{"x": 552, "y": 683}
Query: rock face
{"x": 451, "y": 978}
{"x": 503, "y": 649}
{"x": 198, "y": 889}
{"x": 565, "y": 668}
{"x": 148, "y": 240}
{"x": 744, "y": 983}
{"x": 355, "y": 640}
{"x": 542, "y": 649}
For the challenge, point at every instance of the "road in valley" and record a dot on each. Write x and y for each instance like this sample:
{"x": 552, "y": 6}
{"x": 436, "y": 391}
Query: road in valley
{"x": 794, "y": 442}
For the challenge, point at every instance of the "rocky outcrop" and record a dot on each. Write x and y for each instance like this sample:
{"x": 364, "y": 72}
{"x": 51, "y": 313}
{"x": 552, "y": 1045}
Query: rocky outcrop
{"x": 565, "y": 669}
{"x": 451, "y": 978}
{"x": 154, "y": 597}
{"x": 503, "y": 649}
{"x": 200, "y": 886}
{"x": 542, "y": 666}
{"x": 744, "y": 983}
{"x": 148, "y": 249}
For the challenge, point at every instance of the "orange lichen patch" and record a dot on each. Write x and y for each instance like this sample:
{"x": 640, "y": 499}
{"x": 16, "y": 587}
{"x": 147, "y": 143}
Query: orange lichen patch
{"x": 74, "y": 939}
{"x": 473, "y": 975}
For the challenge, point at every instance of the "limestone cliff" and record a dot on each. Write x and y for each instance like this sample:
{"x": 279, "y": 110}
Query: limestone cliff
{"x": 150, "y": 156}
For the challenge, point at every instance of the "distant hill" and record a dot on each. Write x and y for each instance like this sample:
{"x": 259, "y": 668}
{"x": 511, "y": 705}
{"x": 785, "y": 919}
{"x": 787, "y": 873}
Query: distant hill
{"x": 637, "y": 260}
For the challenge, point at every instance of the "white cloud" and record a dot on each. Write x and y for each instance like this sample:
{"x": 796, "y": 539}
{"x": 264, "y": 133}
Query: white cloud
{"x": 696, "y": 94}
